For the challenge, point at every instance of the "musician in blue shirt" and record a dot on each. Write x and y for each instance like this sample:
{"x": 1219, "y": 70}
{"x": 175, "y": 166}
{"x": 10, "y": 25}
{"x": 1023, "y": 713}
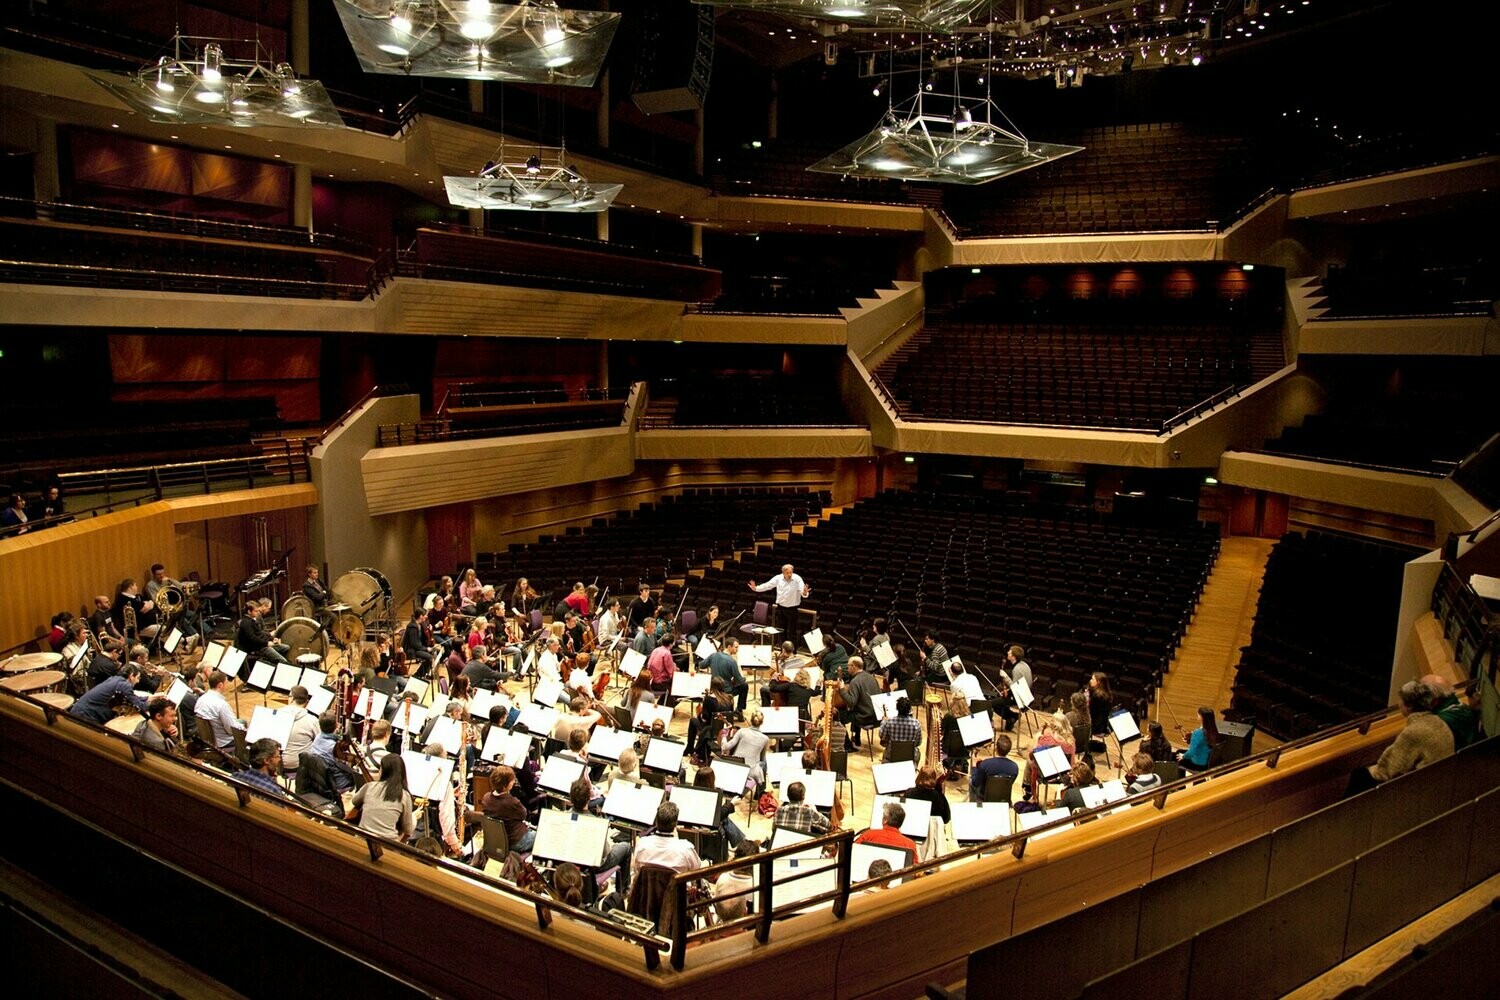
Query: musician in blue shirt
{"x": 723, "y": 665}
{"x": 98, "y": 704}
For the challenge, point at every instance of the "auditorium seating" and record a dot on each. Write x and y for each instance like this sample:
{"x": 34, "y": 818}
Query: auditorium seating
{"x": 778, "y": 168}
{"x": 794, "y": 295}
{"x": 1092, "y": 375}
{"x": 1079, "y": 592}
{"x": 650, "y": 543}
{"x": 752, "y": 401}
{"x": 1325, "y": 628}
{"x": 1129, "y": 178}
{"x": 1401, "y": 289}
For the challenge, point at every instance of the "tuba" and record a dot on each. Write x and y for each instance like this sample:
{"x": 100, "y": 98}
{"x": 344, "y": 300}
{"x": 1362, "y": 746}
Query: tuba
{"x": 170, "y": 600}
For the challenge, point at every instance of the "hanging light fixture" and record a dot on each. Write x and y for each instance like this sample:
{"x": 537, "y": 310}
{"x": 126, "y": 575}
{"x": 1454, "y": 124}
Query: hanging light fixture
{"x": 973, "y": 144}
{"x": 207, "y": 88}
{"x": 932, "y": 15}
{"x": 533, "y": 41}
{"x": 538, "y": 180}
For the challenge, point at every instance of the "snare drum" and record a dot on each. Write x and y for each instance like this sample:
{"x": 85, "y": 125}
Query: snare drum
{"x": 125, "y": 724}
{"x": 310, "y": 661}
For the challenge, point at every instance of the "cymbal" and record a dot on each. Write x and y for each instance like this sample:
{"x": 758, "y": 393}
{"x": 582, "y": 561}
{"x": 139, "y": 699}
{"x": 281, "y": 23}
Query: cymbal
{"x": 336, "y": 608}
{"x": 23, "y": 662}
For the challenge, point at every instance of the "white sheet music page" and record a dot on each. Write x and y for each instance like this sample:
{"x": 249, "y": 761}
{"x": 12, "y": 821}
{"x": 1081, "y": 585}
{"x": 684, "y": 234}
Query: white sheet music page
{"x": 862, "y": 856}
{"x": 1020, "y": 692}
{"x": 918, "y": 812}
{"x": 691, "y": 686}
{"x": 232, "y": 660}
{"x": 647, "y": 713}
{"x": 213, "y": 655}
{"x": 607, "y": 743}
{"x": 539, "y": 720}
{"x": 979, "y": 822}
{"x": 814, "y": 640}
{"x": 319, "y": 700}
{"x": 506, "y": 747}
{"x": 780, "y": 721}
{"x": 1123, "y": 725}
{"x": 776, "y": 763}
{"x": 895, "y": 777}
{"x": 559, "y": 773}
{"x": 664, "y": 755}
{"x": 884, "y": 654}
{"x": 568, "y": 836}
{"x": 177, "y": 691}
{"x": 819, "y": 785}
{"x": 696, "y": 806}
{"x": 633, "y": 803}
{"x": 173, "y": 638}
{"x": 426, "y": 777}
{"x": 409, "y": 720}
{"x": 730, "y": 776}
{"x": 448, "y": 734}
{"x": 260, "y": 675}
{"x": 270, "y": 723}
{"x": 976, "y": 730}
{"x": 706, "y": 648}
{"x": 632, "y": 662}
{"x": 1051, "y": 762}
{"x": 547, "y": 692}
{"x": 287, "y": 676}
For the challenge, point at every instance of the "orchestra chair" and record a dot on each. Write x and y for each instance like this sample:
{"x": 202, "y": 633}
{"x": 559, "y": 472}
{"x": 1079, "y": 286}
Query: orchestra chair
{"x": 688, "y": 623}
{"x": 651, "y": 896}
{"x": 758, "y": 616}
{"x": 213, "y": 753}
{"x": 1167, "y": 770}
{"x": 997, "y": 788}
{"x": 899, "y": 750}
{"x": 838, "y": 761}
{"x": 1082, "y": 735}
{"x": 496, "y": 841}
{"x": 867, "y": 733}
{"x": 536, "y": 620}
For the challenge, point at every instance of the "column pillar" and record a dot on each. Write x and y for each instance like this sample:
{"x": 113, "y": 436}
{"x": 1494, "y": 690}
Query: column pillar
{"x": 302, "y": 210}
{"x": 601, "y": 225}
{"x": 698, "y": 143}
{"x": 773, "y": 111}
{"x": 696, "y": 231}
{"x": 45, "y": 181}
{"x": 297, "y": 42}
{"x": 601, "y": 113}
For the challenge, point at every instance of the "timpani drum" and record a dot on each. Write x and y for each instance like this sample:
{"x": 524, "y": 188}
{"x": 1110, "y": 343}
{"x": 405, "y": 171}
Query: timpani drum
{"x": 125, "y": 724}
{"x": 310, "y": 661}
{"x": 35, "y": 681}
{"x": 27, "y": 662}
{"x": 55, "y": 698}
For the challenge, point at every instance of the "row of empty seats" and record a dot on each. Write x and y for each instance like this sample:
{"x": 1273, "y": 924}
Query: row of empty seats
{"x": 752, "y": 401}
{"x": 1070, "y": 374}
{"x": 1325, "y": 627}
{"x": 802, "y": 295}
{"x": 1397, "y": 289}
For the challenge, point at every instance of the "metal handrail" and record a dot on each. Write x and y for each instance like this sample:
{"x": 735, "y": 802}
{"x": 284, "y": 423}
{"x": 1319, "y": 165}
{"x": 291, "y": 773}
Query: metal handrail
{"x": 377, "y": 846}
{"x": 1353, "y": 463}
{"x": 400, "y": 389}
{"x": 565, "y": 241}
{"x": 158, "y": 278}
{"x": 1223, "y": 395}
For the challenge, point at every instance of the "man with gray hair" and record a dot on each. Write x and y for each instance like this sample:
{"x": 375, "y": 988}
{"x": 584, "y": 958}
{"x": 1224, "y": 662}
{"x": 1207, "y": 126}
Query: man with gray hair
{"x": 888, "y": 833}
{"x": 790, "y": 589}
{"x": 663, "y": 847}
{"x": 1424, "y": 740}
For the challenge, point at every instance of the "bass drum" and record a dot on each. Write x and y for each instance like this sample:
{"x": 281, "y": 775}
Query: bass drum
{"x": 365, "y": 590}
{"x": 303, "y": 635}
{"x": 298, "y": 606}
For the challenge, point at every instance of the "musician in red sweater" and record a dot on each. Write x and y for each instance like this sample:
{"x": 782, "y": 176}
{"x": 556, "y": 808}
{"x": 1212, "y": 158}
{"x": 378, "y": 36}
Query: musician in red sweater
{"x": 889, "y": 834}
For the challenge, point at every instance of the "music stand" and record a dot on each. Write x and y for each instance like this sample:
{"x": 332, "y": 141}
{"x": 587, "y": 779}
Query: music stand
{"x": 1123, "y": 727}
{"x": 1025, "y": 702}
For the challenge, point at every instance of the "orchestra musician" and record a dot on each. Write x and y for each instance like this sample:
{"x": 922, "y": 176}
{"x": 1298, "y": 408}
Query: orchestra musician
{"x": 794, "y": 693}
{"x": 521, "y": 597}
{"x": 645, "y": 639}
{"x": 439, "y": 597}
{"x": 98, "y": 704}
{"x": 724, "y": 666}
{"x": 859, "y": 705}
{"x": 662, "y": 666}
{"x": 790, "y": 590}
{"x": 414, "y": 644}
{"x": 128, "y": 594}
{"x": 609, "y": 622}
{"x": 716, "y": 704}
{"x": 469, "y": 589}
{"x": 159, "y": 728}
{"x": 572, "y": 632}
{"x": 578, "y": 599}
{"x": 159, "y": 579}
{"x": 102, "y": 624}
{"x": 642, "y": 608}
{"x": 252, "y": 637}
{"x": 313, "y": 590}
{"x": 937, "y": 655}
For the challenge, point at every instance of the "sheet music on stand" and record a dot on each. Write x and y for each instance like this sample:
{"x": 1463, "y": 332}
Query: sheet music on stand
{"x": 173, "y": 638}
{"x": 814, "y": 640}
{"x": 448, "y": 734}
{"x": 415, "y": 686}
{"x": 1020, "y": 693}
{"x": 439, "y": 703}
{"x": 319, "y": 700}
{"x": 286, "y": 677}
{"x": 862, "y": 856}
{"x": 706, "y": 648}
{"x": 820, "y": 785}
{"x": 232, "y": 660}
{"x": 632, "y": 662}
{"x": 483, "y": 700}
{"x": 731, "y": 776}
{"x": 1095, "y": 796}
{"x": 976, "y": 730}
{"x": 506, "y": 747}
{"x": 177, "y": 691}
{"x": 788, "y": 838}
{"x": 884, "y": 654}
{"x": 895, "y": 777}
{"x": 559, "y": 773}
{"x": 427, "y": 777}
{"x": 1051, "y": 762}
{"x": 547, "y": 692}
{"x": 885, "y": 704}
{"x": 633, "y": 803}
{"x": 213, "y": 655}
{"x": 754, "y": 656}
{"x": 696, "y": 806}
{"x": 260, "y": 676}
{"x": 269, "y": 723}
{"x": 789, "y": 893}
{"x": 370, "y": 704}
{"x": 778, "y": 762}
{"x": 578, "y": 838}
{"x": 538, "y": 720}
{"x": 1124, "y": 726}
{"x": 1032, "y": 820}
{"x": 606, "y": 744}
{"x": 691, "y": 687}
{"x": 78, "y": 657}
{"x": 981, "y": 822}
{"x": 781, "y": 721}
{"x": 664, "y": 755}
{"x": 418, "y": 719}
{"x": 313, "y": 677}
{"x": 647, "y": 712}
{"x": 918, "y": 813}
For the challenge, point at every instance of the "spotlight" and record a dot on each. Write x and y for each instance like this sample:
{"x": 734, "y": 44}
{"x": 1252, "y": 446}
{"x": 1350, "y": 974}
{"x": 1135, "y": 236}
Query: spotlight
{"x": 213, "y": 59}
{"x": 963, "y": 120}
{"x": 876, "y": 90}
{"x": 533, "y": 164}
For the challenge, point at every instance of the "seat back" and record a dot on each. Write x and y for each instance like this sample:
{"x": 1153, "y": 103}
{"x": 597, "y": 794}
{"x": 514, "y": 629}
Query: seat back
{"x": 651, "y": 897}
{"x": 496, "y": 840}
{"x": 997, "y": 787}
{"x": 536, "y": 620}
{"x": 1167, "y": 770}
{"x": 914, "y": 692}
{"x": 1082, "y": 733}
{"x": 761, "y": 613}
{"x": 897, "y": 750}
{"x": 688, "y": 623}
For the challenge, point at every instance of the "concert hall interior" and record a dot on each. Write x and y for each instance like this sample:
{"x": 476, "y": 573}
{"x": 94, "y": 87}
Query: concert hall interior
{"x": 775, "y": 498}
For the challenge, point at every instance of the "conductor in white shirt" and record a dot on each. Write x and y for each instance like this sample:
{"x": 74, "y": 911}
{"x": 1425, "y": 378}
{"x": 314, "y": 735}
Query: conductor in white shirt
{"x": 790, "y": 589}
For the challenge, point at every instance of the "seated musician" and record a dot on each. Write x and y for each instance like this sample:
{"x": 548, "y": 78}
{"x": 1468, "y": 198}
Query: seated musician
{"x": 549, "y": 662}
{"x": 662, "y": 666}
{"x": 521, "y": 597}
{"x": 937, "y": 655}
{"x": 734, "y": 881}
{"x": 480, "y": 672}
{"x": 581, "y": 799}
{"x": 304, "y": 731}
{"x": 724, "y": 666}
{"x": 1141, "y": 777}
{"x": 578, "y": 599}
{"x": 628, "y": 768}
{"x": 313, "y": 589}
{"x": 1156, "y": 743}
{"x": 254, "y": 640}
{"x": 501, "y": 804}
{"x": 439, "y": 597}
{"x": 341, "y": 774}
{"x": 835, "y": 662}
{"x": 385, "y": 805}
{"x": 639, "y": 691}
{"x": 795, "y": 693}
{"x": 645, "y": 639}
{"x": 610, "y": 623}
{"x": 901, "y": 728}
{"x": 572, "y": 637}
{"x": 414, "y": 644}
{"x": 487, "y": 605}
{"x": 663, "y": 847}
{"x": 955, "y": 754}
{"x": 141, "y": 657}
{"x": 213, "y": 708}
{"x": 800, "y": 816}
{"x": 1081, "y": 777}
{"x": 445, "y": 803}
{"x": 929, "y": 788}
{"x": 965, "y": 684}
{"x": 578, "y": 716}
{"x": 159, "y": 579}
{"x": 642, "y": 607}
{"x": 1058, "y": 732}
{"x": 102, "y": 624}
{"x": 265, "y": 766}
{"x": 73, "y": 640}
{"x": 749, "y": 745}
{"x": 1000, "y": 765}
{"x": 98, "y": 704}
{"x": 128, "y": 594}
{"x": 379, "y": 746}
{"x": 104, "y": 666}
{"x": 159, "y": 728}
{"x": 716, "y": 701}
{"x": 469, "y": 589}
{"x": 902, "y": 670}
{"x": 194, "y": 677}
{"x": 859, "y": 704}
{"x": 889, "y": 834}
{"x": 733, "y": 835}
{"x": 57, "y": 635}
